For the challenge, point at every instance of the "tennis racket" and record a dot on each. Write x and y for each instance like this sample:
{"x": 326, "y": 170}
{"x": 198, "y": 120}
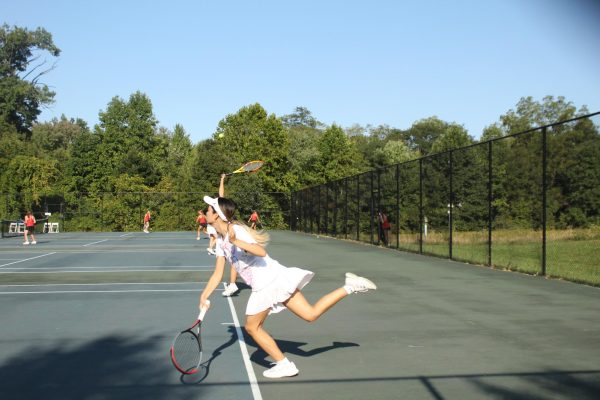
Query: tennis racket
{"x": 186, "y": 350}
{"x": 251, "y": 166}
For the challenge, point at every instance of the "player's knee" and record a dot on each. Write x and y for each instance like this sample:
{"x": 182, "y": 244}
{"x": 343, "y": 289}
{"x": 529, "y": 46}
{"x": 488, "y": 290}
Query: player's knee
{"x": 252, "y": 329}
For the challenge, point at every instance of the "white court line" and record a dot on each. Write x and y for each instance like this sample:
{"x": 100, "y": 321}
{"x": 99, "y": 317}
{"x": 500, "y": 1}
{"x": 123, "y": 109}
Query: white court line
{"x": 68, "y": 271}
{"x": 100, "y": 241}
{"x": 244, "y": 350}
{"x": 27, "y": 259}
{"x": 102, "y": 291}
{"x": 127, "y": 234}
{"x": 100, "y": 269}
{"x": 105, "y": 284}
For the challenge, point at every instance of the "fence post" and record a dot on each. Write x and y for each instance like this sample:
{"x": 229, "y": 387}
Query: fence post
{"x": 451, "y": 205}
{"x": 372, "y": 203}
{"x": 358, "y": 208}
{"x": 311, "y": 209}
{"x": 326, "y": 208}
{"x": 379, "y": 207}
{"x": 490, "y": 194}
{"x": 346, "y": 208}
{"x": 397, "y": 206}
{"x": 318, "y": 209}
{"x": 421, "y": 219}
{"x": 544, "y": 197}
{"x": 335, "y": 207}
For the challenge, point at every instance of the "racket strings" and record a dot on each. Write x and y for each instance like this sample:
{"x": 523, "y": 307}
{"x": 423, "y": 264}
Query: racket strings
{"x": 187, "y": 350}
{"x": 252, "y": 166}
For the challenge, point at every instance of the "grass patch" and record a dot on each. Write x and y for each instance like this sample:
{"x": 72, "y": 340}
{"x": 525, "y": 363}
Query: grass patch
{"x": 571, "y": 254}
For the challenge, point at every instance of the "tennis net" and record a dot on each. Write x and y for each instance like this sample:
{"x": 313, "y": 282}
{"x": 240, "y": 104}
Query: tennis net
{"x": 14, "y": 228}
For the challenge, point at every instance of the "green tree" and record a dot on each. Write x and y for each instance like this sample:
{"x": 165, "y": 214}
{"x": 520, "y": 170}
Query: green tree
{"x": 31, "y": 176}
{"x": 303, "y": 156}
{"x": 300, "y": 117}
{"x": 82, "y": 171}
{"x": 423, "y": 133}
{"x": 252, "y": 134}
{"x": 22, "y": 95}
{"x": 393, "y": 152}
{"x": 529, "y": 113}
{"x": 128, "y": 141}
{"x": 454, "y": 137}
{"x": 338, "y": 157}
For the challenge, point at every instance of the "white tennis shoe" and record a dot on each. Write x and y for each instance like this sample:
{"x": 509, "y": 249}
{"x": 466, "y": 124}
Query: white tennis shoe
{"x": 230, "y": 290}
{"x": 281, "y": 369}
{"x": 358, "y": 284}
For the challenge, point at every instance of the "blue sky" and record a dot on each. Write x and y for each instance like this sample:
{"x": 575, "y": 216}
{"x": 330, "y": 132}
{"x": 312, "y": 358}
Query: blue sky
{"x": 349, "y": 62}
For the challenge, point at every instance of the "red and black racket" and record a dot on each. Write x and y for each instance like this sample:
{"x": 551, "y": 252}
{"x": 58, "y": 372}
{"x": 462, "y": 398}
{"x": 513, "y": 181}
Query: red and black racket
{"x": 186, "y": 350}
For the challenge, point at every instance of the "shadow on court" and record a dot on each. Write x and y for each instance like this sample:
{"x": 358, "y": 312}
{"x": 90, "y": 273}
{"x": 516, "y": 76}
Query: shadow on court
{"x": 292, "y": 348}
{"x": 116, "y": 368}
{"x": 110, "y": 367}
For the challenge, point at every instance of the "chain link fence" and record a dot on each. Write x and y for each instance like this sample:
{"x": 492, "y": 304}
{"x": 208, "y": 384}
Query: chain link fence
{"x": 528, "y": 202}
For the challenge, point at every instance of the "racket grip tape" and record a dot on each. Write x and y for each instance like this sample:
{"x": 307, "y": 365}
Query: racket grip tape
{"x": 203, "y": 311}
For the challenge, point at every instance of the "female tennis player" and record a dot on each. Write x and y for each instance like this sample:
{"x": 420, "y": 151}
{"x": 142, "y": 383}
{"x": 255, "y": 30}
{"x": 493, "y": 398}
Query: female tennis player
{"x": 274, "y": 287}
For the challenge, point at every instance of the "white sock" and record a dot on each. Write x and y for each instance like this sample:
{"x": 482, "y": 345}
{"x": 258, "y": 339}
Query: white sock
{"x": 349, "y": 289}
{"x": 283, "y": 362}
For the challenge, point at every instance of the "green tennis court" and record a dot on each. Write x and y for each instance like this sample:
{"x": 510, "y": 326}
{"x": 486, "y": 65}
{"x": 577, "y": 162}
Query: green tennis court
{"x": 92, "y": 316}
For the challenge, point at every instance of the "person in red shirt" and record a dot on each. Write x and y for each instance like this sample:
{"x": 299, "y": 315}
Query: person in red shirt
{"x": 201, "y": 221}
{"x": 384, "y": 228}
{"x": 147, "y": 218}
{"x": 29, "y": 228}
{"x": 253, "y": 220}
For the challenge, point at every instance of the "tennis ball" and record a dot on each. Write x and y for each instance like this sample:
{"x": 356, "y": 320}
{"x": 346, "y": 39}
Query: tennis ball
{"x": 221, "y": 135}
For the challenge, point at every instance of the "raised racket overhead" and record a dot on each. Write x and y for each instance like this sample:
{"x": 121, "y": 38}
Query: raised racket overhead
{"x": 186, "y": 350}
{"x": 251, "y": 166}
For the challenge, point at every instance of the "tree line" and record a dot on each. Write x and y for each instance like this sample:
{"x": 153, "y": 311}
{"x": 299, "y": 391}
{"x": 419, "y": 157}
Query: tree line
{"x": 102, "y": 175}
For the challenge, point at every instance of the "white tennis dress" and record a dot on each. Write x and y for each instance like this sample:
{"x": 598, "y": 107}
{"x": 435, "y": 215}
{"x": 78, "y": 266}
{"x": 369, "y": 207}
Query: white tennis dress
{"x": 271, "y": 282}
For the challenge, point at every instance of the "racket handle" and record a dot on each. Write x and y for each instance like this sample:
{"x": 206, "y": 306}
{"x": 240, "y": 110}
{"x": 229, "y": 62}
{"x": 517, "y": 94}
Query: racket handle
{"x": 203, "y": 311}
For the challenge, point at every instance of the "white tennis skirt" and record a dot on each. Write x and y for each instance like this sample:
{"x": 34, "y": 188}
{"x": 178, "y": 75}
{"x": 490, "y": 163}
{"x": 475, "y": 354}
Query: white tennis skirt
{"x": 275, "y": 293}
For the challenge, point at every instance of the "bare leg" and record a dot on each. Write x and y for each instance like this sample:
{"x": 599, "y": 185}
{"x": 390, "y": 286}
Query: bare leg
{"x": 254, "y": 327}
{"x": 298, "y": 304}
{"x": 232, "y": 275}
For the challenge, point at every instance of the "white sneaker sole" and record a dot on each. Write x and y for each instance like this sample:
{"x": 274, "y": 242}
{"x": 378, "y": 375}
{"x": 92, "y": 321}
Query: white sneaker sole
{"x": 289, "y": 374}
{"x": 367, "y": 283}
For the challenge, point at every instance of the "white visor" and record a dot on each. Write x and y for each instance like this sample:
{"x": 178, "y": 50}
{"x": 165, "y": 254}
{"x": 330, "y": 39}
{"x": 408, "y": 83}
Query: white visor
{"x": 214, "y": 203}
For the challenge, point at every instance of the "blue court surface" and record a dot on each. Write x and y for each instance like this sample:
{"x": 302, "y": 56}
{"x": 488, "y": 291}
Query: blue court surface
{"x": 92, "y": 316}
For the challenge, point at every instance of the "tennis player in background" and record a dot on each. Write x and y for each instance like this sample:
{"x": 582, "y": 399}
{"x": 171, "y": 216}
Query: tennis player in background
{"x": 201, "y": 221}
{"x": 274, "y": 287}
{"x": 29, "y": 228}
{"x": 254, "y": 219}
{"x": 147, "y": 218}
